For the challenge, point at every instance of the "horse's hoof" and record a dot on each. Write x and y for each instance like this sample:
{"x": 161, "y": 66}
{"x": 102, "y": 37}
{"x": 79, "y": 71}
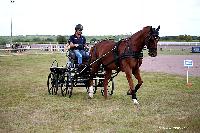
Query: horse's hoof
{"x": 90, "y": 95}
{"x": 135, "y": 102}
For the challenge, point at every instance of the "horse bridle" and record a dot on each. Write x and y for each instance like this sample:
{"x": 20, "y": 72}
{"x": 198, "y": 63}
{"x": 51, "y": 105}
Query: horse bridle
{"x": 152, "y": 35}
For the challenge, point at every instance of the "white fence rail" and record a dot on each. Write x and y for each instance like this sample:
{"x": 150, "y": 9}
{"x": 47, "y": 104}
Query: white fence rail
{"x": 179, "y": 43}
{"x": 60, "y": 47}
{"x": 42, "y": 47}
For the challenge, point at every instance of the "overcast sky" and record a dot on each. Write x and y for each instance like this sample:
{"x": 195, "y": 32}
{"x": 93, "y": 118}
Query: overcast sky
{"x": 99, "y": 17}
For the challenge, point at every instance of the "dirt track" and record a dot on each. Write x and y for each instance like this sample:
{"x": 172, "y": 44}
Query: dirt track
{"x": 173, "y": 64}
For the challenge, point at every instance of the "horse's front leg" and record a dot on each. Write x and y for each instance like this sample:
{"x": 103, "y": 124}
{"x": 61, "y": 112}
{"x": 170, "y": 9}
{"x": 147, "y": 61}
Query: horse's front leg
{"x": 106, "y": 78}
{"x": 128, "y": 72}
{"x": 139, "y": 79}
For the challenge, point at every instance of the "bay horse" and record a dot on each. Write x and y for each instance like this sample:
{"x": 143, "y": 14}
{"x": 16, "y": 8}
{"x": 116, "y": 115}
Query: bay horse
{"x": 125, "y": 55}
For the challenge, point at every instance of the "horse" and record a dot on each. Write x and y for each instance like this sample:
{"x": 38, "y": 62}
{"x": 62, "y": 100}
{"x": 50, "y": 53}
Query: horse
{"x": 125, "y": 55}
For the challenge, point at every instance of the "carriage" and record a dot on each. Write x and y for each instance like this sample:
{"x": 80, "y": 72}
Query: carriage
{"x": 70, "y": 76}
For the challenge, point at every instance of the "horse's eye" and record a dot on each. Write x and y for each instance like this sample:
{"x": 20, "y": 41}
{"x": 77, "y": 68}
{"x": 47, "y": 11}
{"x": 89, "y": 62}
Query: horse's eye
{"x": 156, "y": 37}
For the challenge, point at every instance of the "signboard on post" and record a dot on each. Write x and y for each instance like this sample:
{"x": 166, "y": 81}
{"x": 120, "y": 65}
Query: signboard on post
{"x": 188, "y": 63}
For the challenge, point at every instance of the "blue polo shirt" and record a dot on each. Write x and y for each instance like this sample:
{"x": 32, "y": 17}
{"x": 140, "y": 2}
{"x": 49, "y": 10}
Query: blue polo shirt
{"x": 75, "y": 40}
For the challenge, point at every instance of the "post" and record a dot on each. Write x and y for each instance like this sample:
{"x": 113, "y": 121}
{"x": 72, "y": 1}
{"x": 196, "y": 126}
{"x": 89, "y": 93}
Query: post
{"x": 11, "y": 32}
{"x": 187, "y": 74}
{"x": 12, "y": 1}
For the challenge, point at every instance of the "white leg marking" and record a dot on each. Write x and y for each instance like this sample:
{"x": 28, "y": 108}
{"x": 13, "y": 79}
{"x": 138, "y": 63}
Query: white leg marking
{"x": 91, "y": 91}
{"x": 135, "y": 101}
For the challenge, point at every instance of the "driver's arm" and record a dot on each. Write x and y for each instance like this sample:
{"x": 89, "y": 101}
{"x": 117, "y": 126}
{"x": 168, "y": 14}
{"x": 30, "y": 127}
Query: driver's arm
{"x": 73, "y": 45}
{"x": 67, "y": 46}
{"x": 86, "y": 46}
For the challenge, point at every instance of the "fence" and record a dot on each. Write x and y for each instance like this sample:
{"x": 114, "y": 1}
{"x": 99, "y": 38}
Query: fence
{"x": 179, "y": 43}
{"x": 60, "y": 47}
{"x": 42, "y": 47}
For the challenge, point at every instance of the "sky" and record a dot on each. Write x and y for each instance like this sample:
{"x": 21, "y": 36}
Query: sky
{"x": 99, "y": 17}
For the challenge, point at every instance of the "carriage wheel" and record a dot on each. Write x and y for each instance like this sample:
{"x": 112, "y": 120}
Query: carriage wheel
{"x": 70, "y": 90}
{"x": 95, "y": 88}
{"x": 65, "y": 88}
{"x": 69, "y": 84}
{"x": 51, "y": 83}
{"x": 112, "y": 86}
{"x": 56, "y": 84}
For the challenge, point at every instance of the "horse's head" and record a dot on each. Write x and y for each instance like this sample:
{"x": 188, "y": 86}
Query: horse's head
{"x": 151, "y": 41}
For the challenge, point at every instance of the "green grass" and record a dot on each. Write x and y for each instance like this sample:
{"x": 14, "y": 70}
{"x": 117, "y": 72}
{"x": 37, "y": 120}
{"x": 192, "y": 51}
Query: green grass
{"x": 175, "y": 52}
{"x": 165, "y": 102}
{"x": 168, "y": 51}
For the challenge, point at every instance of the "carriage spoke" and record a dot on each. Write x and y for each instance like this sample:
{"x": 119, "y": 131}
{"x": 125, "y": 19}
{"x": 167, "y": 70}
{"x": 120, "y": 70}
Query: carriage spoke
{"x": 63, "y": 90}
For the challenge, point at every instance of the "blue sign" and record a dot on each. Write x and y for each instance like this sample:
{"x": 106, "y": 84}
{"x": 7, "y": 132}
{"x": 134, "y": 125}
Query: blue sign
{"x": 195, "y": 49}
{"x": 188, "y": 63}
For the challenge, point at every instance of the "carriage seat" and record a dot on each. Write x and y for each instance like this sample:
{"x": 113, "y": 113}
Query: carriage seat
{"x": 73, "y": 56}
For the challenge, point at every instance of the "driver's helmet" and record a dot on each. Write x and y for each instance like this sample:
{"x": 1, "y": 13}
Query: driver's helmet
{"x": 79, "y": 27}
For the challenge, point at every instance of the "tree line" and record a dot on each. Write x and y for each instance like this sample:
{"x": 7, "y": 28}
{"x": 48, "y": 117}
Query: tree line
{"x": 43, "y": 39}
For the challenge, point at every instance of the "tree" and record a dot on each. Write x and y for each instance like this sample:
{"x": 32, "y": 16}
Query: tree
{"x": 198, "y": 38}
{"x": 36, "y": 39}
{"x": 184, "y": 38}
{"x": 188, "y": 38}
{"x": 3, "y": 41}
{"x": 181, "y": 38}
{"x": 93, "y": 40}
{"x": 49, "y": 40}
{"x": 61, "y": 39}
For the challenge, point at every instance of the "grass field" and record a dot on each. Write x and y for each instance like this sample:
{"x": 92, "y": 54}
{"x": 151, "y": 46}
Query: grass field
{"x": 166, "y": 103}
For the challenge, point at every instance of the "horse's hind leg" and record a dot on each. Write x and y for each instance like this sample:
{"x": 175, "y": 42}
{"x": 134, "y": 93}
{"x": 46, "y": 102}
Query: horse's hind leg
{"x": 93, "y": 71}
{"x": 107, "y": 77}
{"x": 90, "y": 89}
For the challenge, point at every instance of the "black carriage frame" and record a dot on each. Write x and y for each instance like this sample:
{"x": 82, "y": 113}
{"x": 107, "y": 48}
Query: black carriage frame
{"x": 70, "y": 76}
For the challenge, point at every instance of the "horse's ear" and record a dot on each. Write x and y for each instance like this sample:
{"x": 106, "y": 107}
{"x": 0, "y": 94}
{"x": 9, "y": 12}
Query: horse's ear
{"x": 158, "y": 28}
{"x": 151, "y": 29}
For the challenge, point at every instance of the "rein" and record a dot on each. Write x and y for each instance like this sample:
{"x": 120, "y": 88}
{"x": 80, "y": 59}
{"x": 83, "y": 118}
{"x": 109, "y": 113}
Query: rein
{"x": 99, "y": 58}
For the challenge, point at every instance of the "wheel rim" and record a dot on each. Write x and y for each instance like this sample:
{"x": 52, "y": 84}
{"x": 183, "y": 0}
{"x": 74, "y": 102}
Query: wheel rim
{"x": 64, "y": 89}
{"x": 51, "y": 83}
{"x": 56, "y": 84}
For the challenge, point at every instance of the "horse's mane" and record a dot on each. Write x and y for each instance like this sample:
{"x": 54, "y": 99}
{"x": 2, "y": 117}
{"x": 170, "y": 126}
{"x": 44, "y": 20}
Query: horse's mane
{"x": 140, "y": 32}
{"x": 135, "y": 35}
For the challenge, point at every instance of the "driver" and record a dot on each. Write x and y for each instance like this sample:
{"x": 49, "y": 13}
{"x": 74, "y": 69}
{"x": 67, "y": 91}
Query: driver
{"x": 77, "y": 43}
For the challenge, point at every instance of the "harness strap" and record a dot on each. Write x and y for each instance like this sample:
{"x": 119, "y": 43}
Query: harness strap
{"x": 127, "y": 53}
{"x": 116, "y": 55}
